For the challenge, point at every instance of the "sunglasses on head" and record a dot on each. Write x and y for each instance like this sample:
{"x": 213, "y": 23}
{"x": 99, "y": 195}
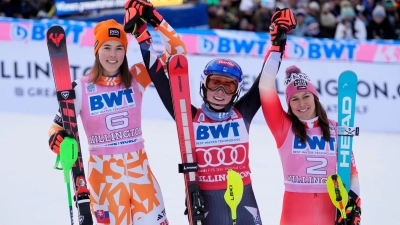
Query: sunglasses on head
{"x": 229, "y": 85}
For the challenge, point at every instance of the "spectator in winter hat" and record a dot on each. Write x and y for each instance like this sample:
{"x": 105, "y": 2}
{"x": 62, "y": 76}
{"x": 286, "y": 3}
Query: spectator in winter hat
{"x": 350, "y": 26}
{"x": 314, "y": 6}
{"x": 379, "y": 12}
{"x": 247, "y": 6}
{"x": 327, "y": 18}
{"x": 346, "y": 10}
{"x": 262, "y": 18}
{"x": 328, "y": 21}
{"x": 302, "y": 4}
{"x": 314, "y": 31}
{"x": 292, "y": 4}
{"x": 380, "y": 27}
{"x": 391, "y": 13}
{"x": 314, "y": 10}
{"x": 246, "y": 9}
{"x": 335, "y": 7}
{"x": 301, "y": 27}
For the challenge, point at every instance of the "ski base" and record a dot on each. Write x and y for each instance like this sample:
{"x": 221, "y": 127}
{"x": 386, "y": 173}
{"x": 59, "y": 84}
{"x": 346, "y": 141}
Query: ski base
{"x": 180, "y": 90}
{"x": 57, "y": 46}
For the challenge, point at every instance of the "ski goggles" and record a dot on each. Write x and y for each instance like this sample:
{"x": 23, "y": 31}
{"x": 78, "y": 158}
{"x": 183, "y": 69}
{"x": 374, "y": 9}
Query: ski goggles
{"x": 229, "y": 85}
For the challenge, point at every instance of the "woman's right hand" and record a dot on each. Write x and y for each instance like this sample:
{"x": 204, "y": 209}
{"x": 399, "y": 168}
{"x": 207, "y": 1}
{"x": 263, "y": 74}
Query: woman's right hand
{"x": 57, "y": 138}
{"x": 146, "y": 11}
{"x": 282, "y": 22}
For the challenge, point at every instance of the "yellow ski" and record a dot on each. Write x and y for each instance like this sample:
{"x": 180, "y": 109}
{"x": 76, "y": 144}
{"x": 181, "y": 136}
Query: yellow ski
{"x": 234, "y": 192}
{"x": 337, "y": 193}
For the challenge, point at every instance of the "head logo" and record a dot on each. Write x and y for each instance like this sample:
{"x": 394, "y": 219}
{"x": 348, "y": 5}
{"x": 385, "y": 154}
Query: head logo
{"x": 113, "y": 32}
{"x": 345, "y": 143}
{"x": 56, "y": 38}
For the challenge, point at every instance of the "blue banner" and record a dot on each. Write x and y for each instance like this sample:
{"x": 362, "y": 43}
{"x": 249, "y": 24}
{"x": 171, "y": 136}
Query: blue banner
{"x": 65, "y": 7}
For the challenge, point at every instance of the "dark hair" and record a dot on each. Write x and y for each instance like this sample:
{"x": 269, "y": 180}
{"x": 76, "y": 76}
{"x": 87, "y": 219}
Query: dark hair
{"x": 300, "y": 131}
{"x": 98, "y": 70}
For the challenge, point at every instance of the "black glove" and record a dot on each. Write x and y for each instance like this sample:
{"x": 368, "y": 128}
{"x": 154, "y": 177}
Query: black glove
{"x": 146, "y": 10}
{"x": 282, "y": 23}
{"x": 56, "y": 139}
{"x": 353, "y": 211}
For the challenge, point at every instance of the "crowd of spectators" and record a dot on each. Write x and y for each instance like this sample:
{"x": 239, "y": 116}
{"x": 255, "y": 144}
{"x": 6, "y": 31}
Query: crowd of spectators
{"x": 28, "y": 9}
{"x": 340, "y": 19}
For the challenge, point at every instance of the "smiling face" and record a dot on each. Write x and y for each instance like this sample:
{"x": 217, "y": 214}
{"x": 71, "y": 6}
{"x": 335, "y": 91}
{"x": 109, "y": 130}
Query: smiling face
{"x": 111, "y": 56}
{"x": 303, "y": 105}
{"x": 218, "y": 98}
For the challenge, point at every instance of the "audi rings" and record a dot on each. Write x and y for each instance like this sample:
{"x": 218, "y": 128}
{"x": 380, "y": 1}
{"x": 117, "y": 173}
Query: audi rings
{"x": 226, "y": 156}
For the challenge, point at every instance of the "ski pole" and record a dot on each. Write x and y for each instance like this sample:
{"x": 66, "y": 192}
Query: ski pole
{"x": 234, "y": 192}
{"x": 338, "y": 194}
{"x": 67, "y": 158}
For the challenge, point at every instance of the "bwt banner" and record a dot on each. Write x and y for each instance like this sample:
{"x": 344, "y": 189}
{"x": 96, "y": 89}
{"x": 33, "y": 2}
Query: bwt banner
{"x": 26, "y": 80}
{"x": 64, "y": 7}
{"x": 220, "y": 42}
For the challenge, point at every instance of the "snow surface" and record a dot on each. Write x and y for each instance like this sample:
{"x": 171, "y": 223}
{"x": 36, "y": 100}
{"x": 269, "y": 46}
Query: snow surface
{"x": 32, "y": 192}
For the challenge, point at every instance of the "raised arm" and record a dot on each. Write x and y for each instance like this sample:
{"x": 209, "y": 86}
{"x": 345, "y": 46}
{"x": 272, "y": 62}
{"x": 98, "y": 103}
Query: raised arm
{"x": 250, "y": 103}
{"x": 155, "y": 65}
{"x": 275, "y": 116}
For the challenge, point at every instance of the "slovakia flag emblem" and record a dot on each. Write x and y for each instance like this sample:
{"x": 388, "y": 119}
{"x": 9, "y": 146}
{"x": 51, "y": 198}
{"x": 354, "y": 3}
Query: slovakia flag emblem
{"x": 102, "y": 216}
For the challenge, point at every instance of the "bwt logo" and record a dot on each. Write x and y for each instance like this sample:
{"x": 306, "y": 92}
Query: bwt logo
{"x": 314, "y": 143}
{"x": 110, "y": 100}
{"x": 203, "y": 132}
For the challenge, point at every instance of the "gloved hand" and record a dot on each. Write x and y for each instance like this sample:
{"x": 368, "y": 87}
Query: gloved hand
{"x": 58, "y": 137}
{"x": 282, "y": 23}
{"x": 135, "y": 25}
{"x": 146, "y": 10}
{"x": 353, "y": 211}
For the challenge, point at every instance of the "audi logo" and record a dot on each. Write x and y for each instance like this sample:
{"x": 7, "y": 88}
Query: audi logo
{"x": 221, "y": 156}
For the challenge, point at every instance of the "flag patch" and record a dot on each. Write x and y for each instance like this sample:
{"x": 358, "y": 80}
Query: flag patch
{"x": 102, "y": 216}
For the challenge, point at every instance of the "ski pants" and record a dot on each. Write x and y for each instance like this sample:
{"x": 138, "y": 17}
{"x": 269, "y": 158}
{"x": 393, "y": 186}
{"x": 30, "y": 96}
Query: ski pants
{"x": 307, "y": 209}
{"x": 124, "y": 191}
{"x": 219, "y": 212}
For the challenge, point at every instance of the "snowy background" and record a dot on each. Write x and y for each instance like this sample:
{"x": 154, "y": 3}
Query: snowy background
{"x": 32, "y": 192}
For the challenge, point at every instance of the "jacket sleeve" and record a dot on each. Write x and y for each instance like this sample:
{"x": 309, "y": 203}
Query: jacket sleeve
{"x": 156, "y": 65}
{"x": 274, "y": 114}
